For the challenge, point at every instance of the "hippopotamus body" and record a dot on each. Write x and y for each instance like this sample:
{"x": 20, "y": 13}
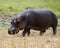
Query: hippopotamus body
{"x": 36, "y": 19}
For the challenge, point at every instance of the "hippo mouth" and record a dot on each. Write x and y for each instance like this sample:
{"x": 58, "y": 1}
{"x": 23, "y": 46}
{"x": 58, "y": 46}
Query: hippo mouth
{"x": 13, "y": 32}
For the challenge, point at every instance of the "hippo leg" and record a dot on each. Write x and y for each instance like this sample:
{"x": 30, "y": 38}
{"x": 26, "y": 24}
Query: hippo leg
{"x": 26, "y": 30}
{"x": 42, "y": 32}
{"x": 54, "y": 29}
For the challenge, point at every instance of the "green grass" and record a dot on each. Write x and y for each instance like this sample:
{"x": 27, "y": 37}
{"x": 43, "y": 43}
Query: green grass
{"x": 13, "y": 7}
{"x": 6, "y": 26}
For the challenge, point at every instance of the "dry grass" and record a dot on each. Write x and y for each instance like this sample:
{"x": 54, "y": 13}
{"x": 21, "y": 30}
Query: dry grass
{"x": 34, "y": 41}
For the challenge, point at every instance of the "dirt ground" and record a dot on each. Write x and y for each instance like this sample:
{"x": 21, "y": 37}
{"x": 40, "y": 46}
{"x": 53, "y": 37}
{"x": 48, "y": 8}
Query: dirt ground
{"x": 33, "y": 41}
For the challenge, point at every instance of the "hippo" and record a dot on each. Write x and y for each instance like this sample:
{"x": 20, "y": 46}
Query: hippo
{"x": 36, "y": 19}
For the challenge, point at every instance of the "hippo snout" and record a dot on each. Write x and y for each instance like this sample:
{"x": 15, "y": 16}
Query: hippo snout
{"x": 13, "y": 31}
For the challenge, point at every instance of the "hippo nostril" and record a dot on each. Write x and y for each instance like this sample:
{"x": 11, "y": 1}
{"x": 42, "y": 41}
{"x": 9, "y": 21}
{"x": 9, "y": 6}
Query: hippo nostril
{"x": 9, "y": 32}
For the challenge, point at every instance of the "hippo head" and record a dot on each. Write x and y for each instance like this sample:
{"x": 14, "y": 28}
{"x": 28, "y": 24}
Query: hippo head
{"x": 17, "y": 24}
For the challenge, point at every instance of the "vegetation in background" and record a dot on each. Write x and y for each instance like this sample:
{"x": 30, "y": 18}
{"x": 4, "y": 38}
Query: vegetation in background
{"x": 13, "y": 7}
